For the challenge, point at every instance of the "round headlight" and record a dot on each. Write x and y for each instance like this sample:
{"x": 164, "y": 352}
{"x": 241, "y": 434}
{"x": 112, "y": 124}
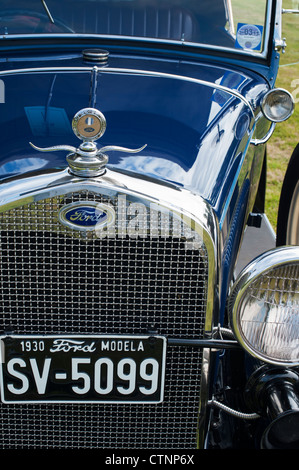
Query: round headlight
{"x": 278, "y": 105}
{"x": 264, "y": 307}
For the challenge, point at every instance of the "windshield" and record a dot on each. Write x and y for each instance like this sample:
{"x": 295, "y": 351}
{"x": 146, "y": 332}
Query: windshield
{"x": 233, "y": 24}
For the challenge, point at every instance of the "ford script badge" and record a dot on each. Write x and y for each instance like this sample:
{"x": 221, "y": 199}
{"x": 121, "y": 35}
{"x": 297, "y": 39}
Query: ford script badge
{"x": 86, "y": 216}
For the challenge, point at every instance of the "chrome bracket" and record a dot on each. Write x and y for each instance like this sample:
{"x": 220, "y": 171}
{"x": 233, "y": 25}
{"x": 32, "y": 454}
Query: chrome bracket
{"x": 287, "y": 11}
{"x": 88, "y": 160}
{"x": 280, "y": 45}
{"x": 266, "y": 137}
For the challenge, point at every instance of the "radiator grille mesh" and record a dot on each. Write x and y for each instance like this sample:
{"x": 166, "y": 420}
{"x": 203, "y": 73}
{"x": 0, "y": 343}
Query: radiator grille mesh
{"x": 54, "y": 281}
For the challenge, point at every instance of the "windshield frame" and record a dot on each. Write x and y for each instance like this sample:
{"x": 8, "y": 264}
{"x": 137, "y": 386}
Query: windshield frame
{"x": 42, "y": 39}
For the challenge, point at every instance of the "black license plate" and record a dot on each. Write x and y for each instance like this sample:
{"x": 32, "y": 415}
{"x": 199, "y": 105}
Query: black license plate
{"x": 105, "y": 369}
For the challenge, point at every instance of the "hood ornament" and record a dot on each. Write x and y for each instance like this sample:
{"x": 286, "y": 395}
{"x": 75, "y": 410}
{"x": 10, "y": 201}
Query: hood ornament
{"x": 89, "y": 124}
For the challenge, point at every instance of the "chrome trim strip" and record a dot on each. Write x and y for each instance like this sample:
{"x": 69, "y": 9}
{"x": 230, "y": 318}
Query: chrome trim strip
{"x": 230, "y": 16}
{"x": 117, "y": 38}
{"x": 46, "y": 70}
{"x": 269, "y": 7}
{"x": 204, "y": 397}
{"x": 278, "y": 41}
{"x": 235, "y": 181}
{"x": 295, "y": 12}
{"x": 292, "y": 232}
{"x": 129, "y": 71}
{"x": 202, "y": 343}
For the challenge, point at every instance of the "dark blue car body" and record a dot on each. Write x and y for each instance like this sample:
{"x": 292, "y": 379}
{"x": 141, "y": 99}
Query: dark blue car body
{"x": 198, "y": 110}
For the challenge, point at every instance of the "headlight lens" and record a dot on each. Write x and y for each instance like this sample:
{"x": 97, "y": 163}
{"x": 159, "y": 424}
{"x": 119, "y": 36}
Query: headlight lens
{"x": 264, "y": 307}
{"x": 278, "y": 105}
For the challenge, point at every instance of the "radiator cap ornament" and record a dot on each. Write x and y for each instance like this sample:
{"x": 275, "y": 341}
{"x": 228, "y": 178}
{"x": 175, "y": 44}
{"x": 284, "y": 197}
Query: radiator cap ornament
{"x": 88, "y": 124}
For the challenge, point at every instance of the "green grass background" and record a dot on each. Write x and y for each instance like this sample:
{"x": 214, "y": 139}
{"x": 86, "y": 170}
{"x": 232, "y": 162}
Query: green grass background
{"x": 285, "y": 137}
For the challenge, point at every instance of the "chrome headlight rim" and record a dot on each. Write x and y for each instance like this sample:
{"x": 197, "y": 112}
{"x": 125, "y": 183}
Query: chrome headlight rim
{"x": 268, "y": 95}
{"x": 268, "y": 261}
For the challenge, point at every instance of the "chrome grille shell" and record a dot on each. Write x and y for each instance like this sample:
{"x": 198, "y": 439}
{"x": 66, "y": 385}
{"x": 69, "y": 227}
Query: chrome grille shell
{"x": 56, "y": 280}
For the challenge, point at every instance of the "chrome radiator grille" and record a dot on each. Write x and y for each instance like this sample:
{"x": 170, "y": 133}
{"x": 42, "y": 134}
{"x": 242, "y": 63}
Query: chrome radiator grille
{"x": 53, "y": 281}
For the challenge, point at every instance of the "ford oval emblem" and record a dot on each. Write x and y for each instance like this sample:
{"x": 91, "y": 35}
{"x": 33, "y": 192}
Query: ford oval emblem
{"x": 86, "y": 216}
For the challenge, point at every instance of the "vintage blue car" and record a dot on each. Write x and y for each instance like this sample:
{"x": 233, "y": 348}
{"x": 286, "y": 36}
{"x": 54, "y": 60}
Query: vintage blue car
{"x": 144, "y": 301}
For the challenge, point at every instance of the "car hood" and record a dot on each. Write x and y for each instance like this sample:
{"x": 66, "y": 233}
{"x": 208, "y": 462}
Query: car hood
{"x": 196, "y": 129}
